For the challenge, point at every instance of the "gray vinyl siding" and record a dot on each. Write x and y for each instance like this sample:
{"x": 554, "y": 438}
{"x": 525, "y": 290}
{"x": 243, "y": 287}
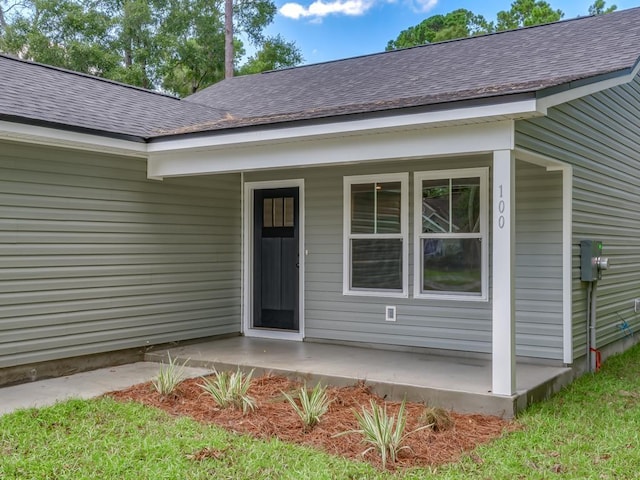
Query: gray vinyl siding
{"x": 94, "y": 257}
{"x": 449, "y": 325}
{"x": 538, "y": 262}
{"x": 600, "y": 136}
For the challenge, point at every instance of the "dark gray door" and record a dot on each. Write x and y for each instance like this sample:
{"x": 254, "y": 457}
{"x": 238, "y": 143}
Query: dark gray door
{"x": 275, "y": 259}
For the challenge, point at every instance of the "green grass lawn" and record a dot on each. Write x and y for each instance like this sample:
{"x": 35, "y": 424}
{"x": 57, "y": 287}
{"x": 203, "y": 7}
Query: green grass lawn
{"x": 590, "y": 430}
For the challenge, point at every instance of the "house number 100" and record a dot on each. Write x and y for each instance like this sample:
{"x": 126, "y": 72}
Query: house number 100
{"x": 501, "y": 207}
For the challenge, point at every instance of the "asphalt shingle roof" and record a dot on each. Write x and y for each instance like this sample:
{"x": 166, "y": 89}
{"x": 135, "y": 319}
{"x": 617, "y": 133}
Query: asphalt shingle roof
{"x": 519, "y": 61}
{"x": 52, "y": 95}
{"x": 524, "y": 61}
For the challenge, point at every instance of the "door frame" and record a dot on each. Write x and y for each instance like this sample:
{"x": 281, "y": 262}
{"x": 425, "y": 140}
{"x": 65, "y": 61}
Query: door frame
{"x": 248, "y": 225}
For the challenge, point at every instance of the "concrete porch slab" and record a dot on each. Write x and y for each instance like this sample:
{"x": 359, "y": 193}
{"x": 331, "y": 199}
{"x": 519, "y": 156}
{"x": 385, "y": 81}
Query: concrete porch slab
{"x": 459, "y": 384}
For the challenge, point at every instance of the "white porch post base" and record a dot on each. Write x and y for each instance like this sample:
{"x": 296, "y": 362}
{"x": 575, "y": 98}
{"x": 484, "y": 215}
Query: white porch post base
{"x": 503, "y": 278}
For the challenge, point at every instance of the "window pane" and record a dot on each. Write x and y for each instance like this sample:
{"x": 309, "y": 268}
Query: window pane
{"x": 278, "y": 212}
{"x": 465, "y": 205}
{"x": 362, "y": 208}
{"x": 267, "y": 212}
{"x": 376, "y": 263}
{"x": 435, "y": 206}
{"x": 452, "y": 265}
{"x": 388, "y": 214}
{"x": 288, "y": 212}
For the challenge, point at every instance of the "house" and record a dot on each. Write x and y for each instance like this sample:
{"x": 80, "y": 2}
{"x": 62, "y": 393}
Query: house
{"x": 432, "y": 198}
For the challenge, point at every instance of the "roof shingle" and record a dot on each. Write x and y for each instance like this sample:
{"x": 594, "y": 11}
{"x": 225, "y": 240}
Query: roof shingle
{"x": 525, "y": 61}
{"x": 38, "y": 92}
{"x": 520, "y": 61}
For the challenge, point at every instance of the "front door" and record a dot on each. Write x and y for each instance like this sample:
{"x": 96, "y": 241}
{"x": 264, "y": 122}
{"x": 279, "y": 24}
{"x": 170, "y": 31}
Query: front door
{"x": 276, "y": 259}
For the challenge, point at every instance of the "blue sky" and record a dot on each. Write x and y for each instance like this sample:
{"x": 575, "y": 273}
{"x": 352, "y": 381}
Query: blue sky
{"x": 331, "y": 29}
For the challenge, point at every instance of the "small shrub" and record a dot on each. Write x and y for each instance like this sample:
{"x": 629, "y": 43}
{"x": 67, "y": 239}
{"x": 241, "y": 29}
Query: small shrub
{"x": 439, "y": 418}
{"x": 382, "y": 431}
{"x": 311, "y": 407}
{"x": 231, "y": 390}
{"x": 169, "y": 377}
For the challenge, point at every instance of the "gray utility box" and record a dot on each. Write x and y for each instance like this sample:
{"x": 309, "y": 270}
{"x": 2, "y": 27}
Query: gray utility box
{"x": 590, "y": 260}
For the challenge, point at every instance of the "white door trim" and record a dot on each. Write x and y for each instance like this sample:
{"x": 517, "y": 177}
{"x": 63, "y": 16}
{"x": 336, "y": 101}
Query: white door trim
{"x": 247, "y": 257}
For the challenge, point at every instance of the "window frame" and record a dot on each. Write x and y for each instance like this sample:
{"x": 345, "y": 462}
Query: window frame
{"x": 483, "y": 174}
{"x": 347, "y": 236}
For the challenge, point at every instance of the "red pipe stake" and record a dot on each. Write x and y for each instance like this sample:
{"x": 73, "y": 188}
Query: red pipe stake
{"x": 598, "y": 357}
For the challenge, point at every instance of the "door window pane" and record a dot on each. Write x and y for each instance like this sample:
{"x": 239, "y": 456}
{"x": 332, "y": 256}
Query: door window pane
{"x": 267, "y": 212}
{"x": 376, "y": 263}
{"x": 288, "y": 212}
{"x": 278, "y": 213}
{"x": 452, "y": 265}
{"x": 388, "y": 197}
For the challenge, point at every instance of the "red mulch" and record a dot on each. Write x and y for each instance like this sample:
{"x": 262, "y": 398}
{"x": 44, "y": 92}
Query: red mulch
{"x": 274, "y": 417}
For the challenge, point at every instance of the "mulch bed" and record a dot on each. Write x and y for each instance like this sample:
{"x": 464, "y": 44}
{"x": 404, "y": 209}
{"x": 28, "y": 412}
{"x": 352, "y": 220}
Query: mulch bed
{"x": 274, "y": 417}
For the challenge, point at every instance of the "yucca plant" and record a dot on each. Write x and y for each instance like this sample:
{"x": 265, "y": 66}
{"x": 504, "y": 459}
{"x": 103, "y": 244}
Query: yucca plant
{"x": 312, "y": 406}
{"x": 231, "y": 390}
{"x": 382, "y": 431}
{"x": 169, "y": 376}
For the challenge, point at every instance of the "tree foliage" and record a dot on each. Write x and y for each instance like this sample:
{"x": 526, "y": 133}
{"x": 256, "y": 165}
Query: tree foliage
{"x": 464, "y": 23}
{"x": 599, "y": 7}
{"x": 275, "y": 53}
{"x": 457, "y": 24}
{"x": 173, "y": 45}
{"x": 525, "y": 13}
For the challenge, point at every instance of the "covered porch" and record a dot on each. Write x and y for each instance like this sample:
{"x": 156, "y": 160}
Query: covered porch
{"x": 452, "y": 382}
{"x": 519, "y": 303}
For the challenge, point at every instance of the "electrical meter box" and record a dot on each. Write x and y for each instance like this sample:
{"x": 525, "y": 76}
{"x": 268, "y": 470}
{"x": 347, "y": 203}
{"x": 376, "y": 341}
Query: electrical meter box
{"x": 590, "y": 260}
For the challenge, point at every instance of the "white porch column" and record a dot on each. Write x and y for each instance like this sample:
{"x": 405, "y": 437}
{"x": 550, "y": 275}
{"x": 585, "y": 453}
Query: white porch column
{"x": 503, "y": 277}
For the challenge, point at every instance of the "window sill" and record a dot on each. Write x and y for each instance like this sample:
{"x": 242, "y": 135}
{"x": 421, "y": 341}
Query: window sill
{"x": 375, "y": 293}
{"x": 451, "y": 297}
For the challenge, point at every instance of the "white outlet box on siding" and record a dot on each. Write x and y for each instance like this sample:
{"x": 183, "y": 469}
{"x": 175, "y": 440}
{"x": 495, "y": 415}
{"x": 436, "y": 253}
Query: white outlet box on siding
{"x": 390, "y": 313}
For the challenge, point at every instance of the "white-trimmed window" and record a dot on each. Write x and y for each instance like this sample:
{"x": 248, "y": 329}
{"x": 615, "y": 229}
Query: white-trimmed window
{"x": 450, "y": 229}
{"x": 376, "y": 221}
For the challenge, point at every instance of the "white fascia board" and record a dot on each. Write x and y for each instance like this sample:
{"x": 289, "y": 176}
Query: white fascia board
{"x": 518, "y": 109}
{"x": 20, "y": 132}
{"x": 415, "y": 143}
{"x": 544, "y": 103}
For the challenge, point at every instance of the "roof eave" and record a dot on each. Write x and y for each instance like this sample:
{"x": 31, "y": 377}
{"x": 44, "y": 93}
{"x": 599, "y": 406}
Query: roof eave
{"x": 38, "y": 132}
{"x": 453, "y": 113}
{"x": 567, "y": 92}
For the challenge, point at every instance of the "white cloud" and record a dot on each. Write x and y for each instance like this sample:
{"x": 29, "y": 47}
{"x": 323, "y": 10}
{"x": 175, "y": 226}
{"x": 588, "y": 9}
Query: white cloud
{"x": 319, "y": 8}
{"x": 424, "y": 6}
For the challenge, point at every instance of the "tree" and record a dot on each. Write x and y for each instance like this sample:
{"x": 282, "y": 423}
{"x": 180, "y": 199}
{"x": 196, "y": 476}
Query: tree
{"x": 598, "y": 8}
{"x": 525, "y": 13}
{"x": 457, "y": 24}
{"x": 5, "y": 9}
{"x": 228, "y": 39}
{"x": 174, "y": 45}
{"x": 61, "y": 33}
{"x": 275, "y": 53}
{"x": 463, "y": 23}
